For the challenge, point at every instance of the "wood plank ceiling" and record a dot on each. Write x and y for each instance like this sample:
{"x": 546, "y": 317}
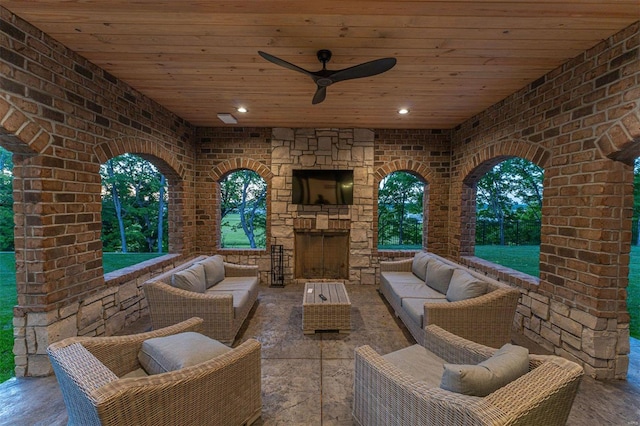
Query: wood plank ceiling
{"x": 455, "y": 57}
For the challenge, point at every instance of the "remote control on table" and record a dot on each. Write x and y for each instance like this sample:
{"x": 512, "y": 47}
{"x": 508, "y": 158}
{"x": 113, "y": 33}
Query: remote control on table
{"x": 322, "y": 296}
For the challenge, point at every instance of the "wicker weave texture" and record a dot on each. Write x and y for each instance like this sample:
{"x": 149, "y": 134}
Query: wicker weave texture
{"x": 487, "y": 319}
{"x": 169, "y": 305}
{"x": 331, "y": 314}
{"x": 224, "y": 390}
{"x": 384, "y": 395}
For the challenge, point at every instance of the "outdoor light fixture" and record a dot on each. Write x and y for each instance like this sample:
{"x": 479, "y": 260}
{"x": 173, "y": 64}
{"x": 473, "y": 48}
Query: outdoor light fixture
{"x": 227, "y": 118}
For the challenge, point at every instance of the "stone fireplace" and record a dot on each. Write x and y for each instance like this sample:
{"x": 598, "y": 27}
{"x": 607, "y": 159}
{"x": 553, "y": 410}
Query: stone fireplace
{"x": 330, "y": 242}
{"x": 321, "y": 254}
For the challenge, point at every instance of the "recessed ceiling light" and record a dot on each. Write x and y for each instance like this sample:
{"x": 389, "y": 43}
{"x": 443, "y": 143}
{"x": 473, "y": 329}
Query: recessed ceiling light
{"x": 242, "y": 109}
{"x": 403, "y": 111}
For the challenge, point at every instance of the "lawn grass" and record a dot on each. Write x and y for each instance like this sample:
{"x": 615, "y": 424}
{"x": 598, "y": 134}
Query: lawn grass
{"x": 115, "y": 261}
{"x": 232, "y": 234}
{"x": 399, "y": 247}
{"x": 521, "y": 258}
{"x": 9, "y": 298}
{"x": 526, "y": 259}
{"x": 633, "y": 292}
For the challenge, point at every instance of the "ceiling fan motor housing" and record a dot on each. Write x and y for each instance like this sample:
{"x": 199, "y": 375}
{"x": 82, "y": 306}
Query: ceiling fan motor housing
{"x": 324, "y": 56}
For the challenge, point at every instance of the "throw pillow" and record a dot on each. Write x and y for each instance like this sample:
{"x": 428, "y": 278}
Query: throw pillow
{"x": 213, "y": 270}
{"x": 170, "y": 353}
{"x": 439, "y": 275}
{"x": 463, "y": 286}
{"x": 507, "y": 364}
{"x": 190, "y": 279}
{"x": 419, "y": 265}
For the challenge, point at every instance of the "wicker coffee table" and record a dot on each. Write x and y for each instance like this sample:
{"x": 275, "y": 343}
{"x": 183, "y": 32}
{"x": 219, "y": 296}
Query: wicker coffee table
{"x": 331, "y": 313}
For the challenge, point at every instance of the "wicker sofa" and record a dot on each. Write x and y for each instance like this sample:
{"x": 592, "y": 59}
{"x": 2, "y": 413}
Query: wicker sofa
{"x": 395, "y": 390}
{"x": 221, "y": 390}
{"x": 428, "y": 289}
{"x": 220, "y": 293}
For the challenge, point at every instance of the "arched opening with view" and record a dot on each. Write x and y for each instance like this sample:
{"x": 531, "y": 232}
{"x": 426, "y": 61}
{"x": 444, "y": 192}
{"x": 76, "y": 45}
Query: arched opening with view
{"x": 508, "y": 215}
{"x": 401, "y": 211}
{"x": 8, "y": 290}
{"x": 135, "y": 204}
{"x": 502, "y": 213}
{"x": 243, "y": 210}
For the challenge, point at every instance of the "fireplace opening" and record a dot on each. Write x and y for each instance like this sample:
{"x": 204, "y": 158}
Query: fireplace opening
{"x": 322, "y": 254}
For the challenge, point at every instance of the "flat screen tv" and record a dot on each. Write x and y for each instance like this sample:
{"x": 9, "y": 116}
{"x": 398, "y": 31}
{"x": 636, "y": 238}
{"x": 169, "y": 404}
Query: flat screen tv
{"x": 317, "y": 187}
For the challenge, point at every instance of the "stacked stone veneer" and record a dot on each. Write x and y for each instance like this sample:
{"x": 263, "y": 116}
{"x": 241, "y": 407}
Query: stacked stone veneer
{"x": 62, "y": 117}
{"x": 325, "y": 149}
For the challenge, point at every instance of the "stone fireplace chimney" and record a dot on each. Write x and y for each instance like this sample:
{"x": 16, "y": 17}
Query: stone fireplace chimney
{"x": 329, "y": 242}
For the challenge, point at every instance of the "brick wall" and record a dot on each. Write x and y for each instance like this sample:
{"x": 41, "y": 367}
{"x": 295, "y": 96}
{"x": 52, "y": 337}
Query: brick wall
{"x": 579, "y": 123}
{"x": 426, "y": 154}
{"x": 62, "y": 117}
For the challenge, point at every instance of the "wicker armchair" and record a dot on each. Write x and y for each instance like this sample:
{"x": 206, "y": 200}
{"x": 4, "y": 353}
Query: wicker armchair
{"x": 223, "y": 390}
{"x": 386, "y": 395}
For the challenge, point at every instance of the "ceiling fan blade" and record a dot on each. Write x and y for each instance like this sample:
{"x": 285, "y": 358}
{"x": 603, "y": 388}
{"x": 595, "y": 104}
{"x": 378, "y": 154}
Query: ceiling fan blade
{"x": 366, "y": 69}
{"x": 284, "y": 63}
{"x": 321, "y": 93}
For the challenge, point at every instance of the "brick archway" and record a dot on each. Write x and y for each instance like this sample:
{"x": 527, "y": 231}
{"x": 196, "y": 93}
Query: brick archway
{"x": 19, "y": 133}
{"x": 220, "y": 171}
{"x": 228, "y": 166}
{"x": 621, "y": 142}
{"x": 143, "y": 148}
{"x": 416, "y": 168}
{"x": 167, "y": 163}
{"x": 476, "y": 167}
{"x": 492, "y": 154}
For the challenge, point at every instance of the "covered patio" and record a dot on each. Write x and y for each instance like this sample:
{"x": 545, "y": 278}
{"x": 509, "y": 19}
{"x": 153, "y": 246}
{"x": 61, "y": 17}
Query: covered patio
{"x": 555, "y": 83}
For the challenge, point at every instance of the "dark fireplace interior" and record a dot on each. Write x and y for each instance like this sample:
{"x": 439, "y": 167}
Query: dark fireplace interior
{"x": 322, "y": 254}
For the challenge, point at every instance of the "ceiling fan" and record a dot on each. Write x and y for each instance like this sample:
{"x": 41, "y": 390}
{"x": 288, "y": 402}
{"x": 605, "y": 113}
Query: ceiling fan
{"x": 325, "y": 77}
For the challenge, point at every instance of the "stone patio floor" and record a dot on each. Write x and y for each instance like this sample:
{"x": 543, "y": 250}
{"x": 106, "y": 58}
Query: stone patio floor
{"x": 308, "y": 379}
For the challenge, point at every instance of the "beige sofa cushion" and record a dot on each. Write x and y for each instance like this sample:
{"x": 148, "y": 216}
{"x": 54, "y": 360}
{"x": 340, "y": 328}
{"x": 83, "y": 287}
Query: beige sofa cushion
{"x": 464, "y": 286}
{"x": 236, "y": 283}
{"x": 190, "y": 279}
{"x": 419, "y": 265}
{"x": 213, "y": 270}
{"x": 415, "y": 308}
{"x": 506, "y": 365}
{"x": 170, "y": 353}
{"x": 240, "y": 297}
{"x": 419, "y": 363}
{"x": 438, "y": 275}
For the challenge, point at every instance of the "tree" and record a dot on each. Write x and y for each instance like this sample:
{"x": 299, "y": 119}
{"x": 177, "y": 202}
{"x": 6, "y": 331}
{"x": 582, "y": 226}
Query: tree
{"x": 113, "y": 182}
{"x": 244, "y": 192}
{"x": 399, "y": 196}
{"x": 134, "y": 205}
{"x": 511, "y": 190}
{"x": 6, "y": 200}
